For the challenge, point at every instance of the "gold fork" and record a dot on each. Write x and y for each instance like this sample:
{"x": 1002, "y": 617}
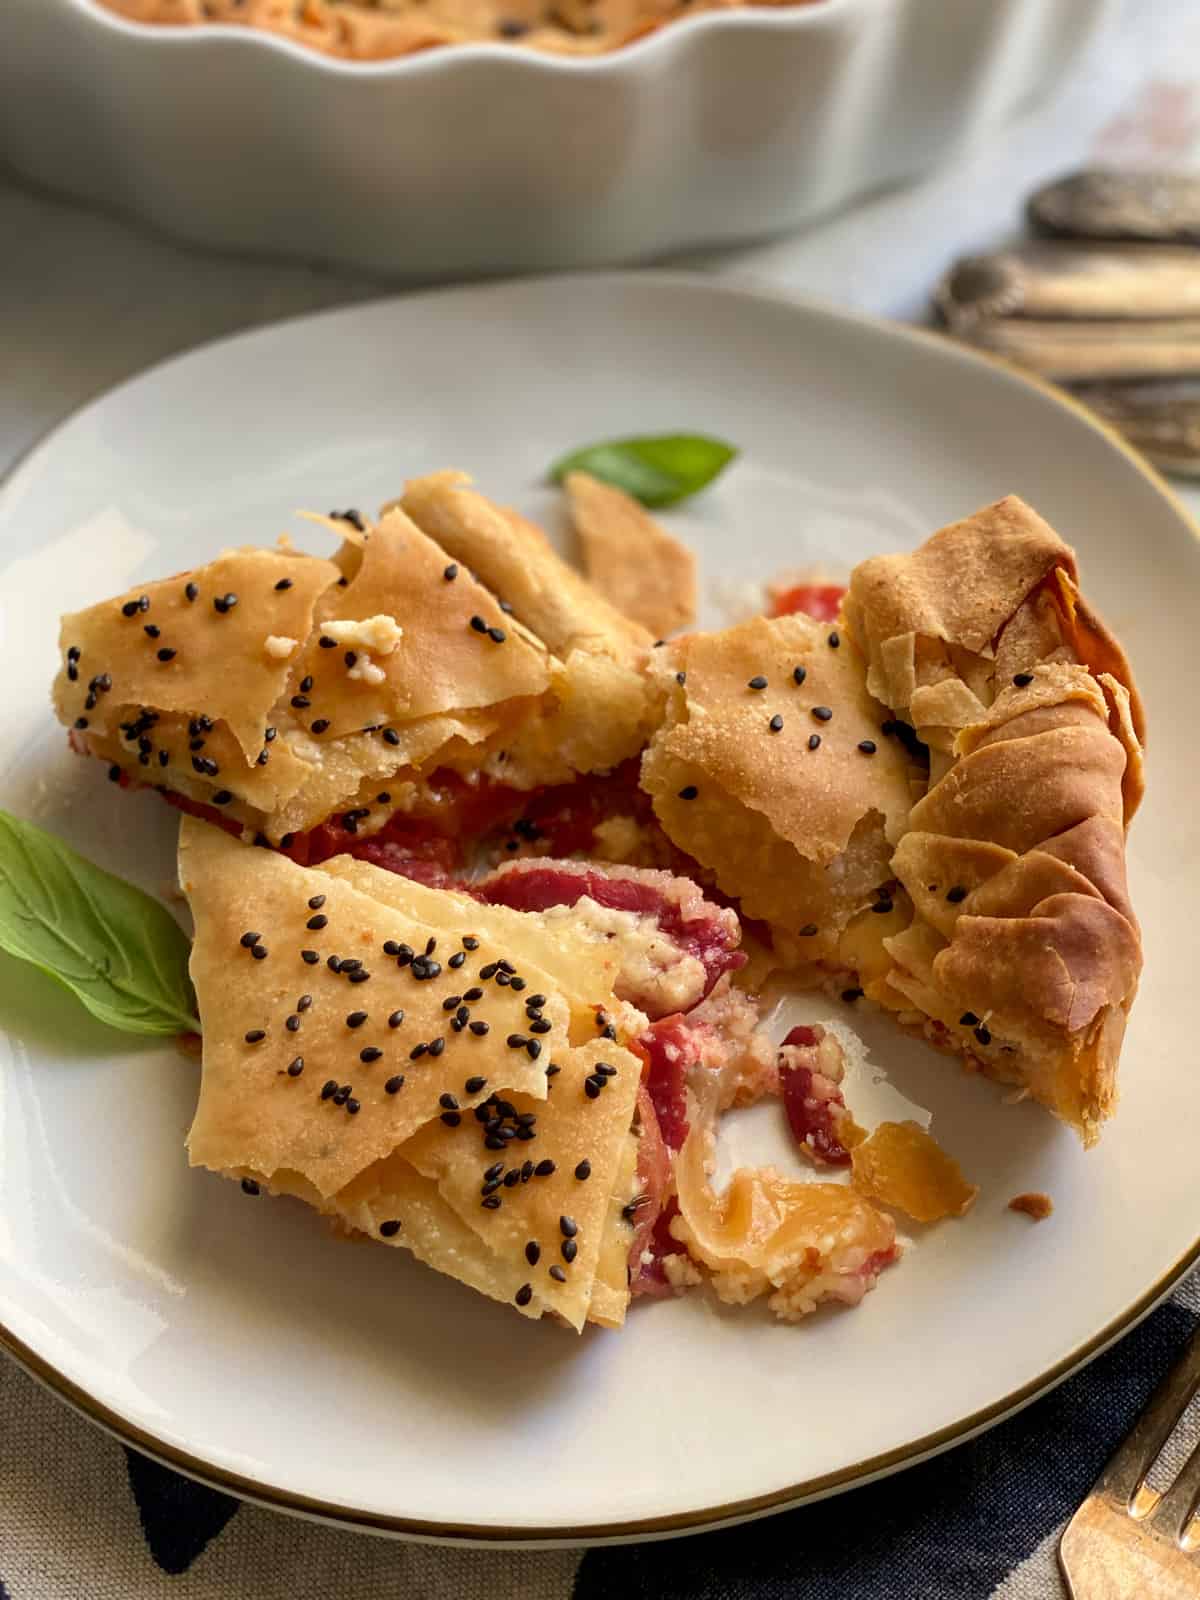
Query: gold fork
{"x": 1128, "y": 1541}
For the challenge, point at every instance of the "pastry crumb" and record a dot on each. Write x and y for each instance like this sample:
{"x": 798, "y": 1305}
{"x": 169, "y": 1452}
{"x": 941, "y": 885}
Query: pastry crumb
{"x": 1037, "y": 1206}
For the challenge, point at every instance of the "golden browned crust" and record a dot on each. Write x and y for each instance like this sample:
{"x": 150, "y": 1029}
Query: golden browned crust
{"x": 630, "y": 559}
{"x": 803, "y": 836}
{"x": 602, "y": 712}
{"x": 1023, "y": 948}
{"x": 393, "y": 1157}
{"x": 327, "y": 682}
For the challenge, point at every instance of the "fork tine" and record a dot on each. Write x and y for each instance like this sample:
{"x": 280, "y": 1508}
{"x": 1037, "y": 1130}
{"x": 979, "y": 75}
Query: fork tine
{"x": 1123, "y": 1474}
{"x": 1174, "y": 1511}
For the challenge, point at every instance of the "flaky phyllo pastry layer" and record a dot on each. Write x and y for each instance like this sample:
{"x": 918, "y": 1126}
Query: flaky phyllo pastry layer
{"x": 283, "y": 688}
{"x": 518, "y": 1077}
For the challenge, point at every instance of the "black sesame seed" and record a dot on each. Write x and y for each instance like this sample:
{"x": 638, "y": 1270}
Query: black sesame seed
{"x": 516, "y": 1041}
{"x": 523, "y": 1295}
{"x": 356, "y": 1019}
{"x": 430, "y": 945}
{"x": 479, "y": 625}
{"x": 225, "y": 603}
{"x": 882, "y": 906}
{"x": 222, "y": 797}
{"x": 569, "y": 1249}
{"x": 151, "y": 630}
{"x": 394, "y": 1085}
{"x": 1023, "y": 679}
{"x": 512, "y": 1178}
{"x": 396, "y": 1018}
{"x": 256, "y": 1036}
{"x": 250, "y": 1187}
{"x": 526, "y": 1171}
{"x": 473, "y": 994}
{"x": 503, "y": 980}
{"x": 833, "y": 641}
{"x": 296, "y": 1067}
{"x": 436, "y": 1046}
{"x": 603, "y": 1070}
{"x": 318, "y": 922}
{"x": 448, "y": 1102}
{"x": 592, "y": 1087}
{"x": 867, "y": 746}
{"x": 533, "y": 1048}
{"x": 681, "y": 678}
{"x": 583, "y": 1170}
{"x": 776, "y": 723}
{"x": 850, "y": 995}
{"x": 301, "y": 702}
{"x": 814, "y": 741}
{"x": 341, "y": 1095}
{"x": 114, "y": 774}
{"x": 353, "y": 1106}
{"x": 493, "y": 1143}
{"x": 568, "y": 1227}
{"x": 822, "y": 713}
{"x": 474, "y": 1085}
{"x": 371, "y": 1053}
{"x": 166, "y": 654}
{"x": 284, "y": 583}
{"x": 163, "y": 758}
{"x": 545, "y": 1169}
{"x": 81, "y": 722}
{"x": 497, "y": 635}
{"x": 403, "y": 955}
{"x": 417, "y": 1051}
{"x": 384, "y": 798}
{"x": 389, "y": 1229}
{"x": 129, "y": 609}
{"x": 553, "y": 1069}
{"x": 334, "y": 963}
{"x": 452, "y": 1119}
{"x": 259, "y": 952}
{"x": 799, "y": 674}
{"x": 310, "y": 957}
{"x": 390, "y": 736}
{"x": 558, "y": 1275}
{"x": 426, "y": 970}
{"x": 304, "y": 1003}
{"x": 351, "y": 658}
{"x": 757, "y": 682}
{"x": 192, "y": 591}
{"x": 452, "y": 1002}
{"x": 320, "y": 725}
{"x": 688, "y": 792}
{"x": 479, "y": 1029}
{"x": 72, "y": 672}
{"x": 327, "y": 643}
{"x": 968, "y": 1020}
{"x": 540, "y": 1025}
{"x": 957, "y": 894}
{"x": 293, "y": 1024}
{"x": 470, "y": 942}
{"x": 328, "y": 1089}
{"x": 492, "y": 1203}
{"x": 490, "y": 970}
{"x": 249, "y": 940}
{"x": 983, "y": 1034}
{"x": 457, "y": 959}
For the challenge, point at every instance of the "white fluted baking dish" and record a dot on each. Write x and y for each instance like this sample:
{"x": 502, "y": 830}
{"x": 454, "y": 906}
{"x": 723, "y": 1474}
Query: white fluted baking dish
{"x": 490, "y": 157}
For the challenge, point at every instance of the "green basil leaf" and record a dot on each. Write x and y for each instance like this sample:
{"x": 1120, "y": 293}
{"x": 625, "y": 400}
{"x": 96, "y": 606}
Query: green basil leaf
{"x": 119, "y": 951}
{"x": 658, "y": 471}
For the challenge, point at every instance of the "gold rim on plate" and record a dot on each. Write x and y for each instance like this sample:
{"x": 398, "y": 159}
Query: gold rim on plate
{"x": 709, "y": 1517}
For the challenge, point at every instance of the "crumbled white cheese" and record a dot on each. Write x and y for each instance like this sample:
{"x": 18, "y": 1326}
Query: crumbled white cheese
{"x": 656, "y": 974}
{"x": 280, "y": 646}
{"x": 364, "y": 670}
{"x": 380, "y": 635}
{"x": 681, "y": 1271}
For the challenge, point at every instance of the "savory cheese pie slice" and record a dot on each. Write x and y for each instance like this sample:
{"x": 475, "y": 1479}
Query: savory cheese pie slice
{"x": 424, "y": 1078}
{"x": 282, "y": 690}
{"x": 929, "y": 799}
{"x": 771, "y": 768}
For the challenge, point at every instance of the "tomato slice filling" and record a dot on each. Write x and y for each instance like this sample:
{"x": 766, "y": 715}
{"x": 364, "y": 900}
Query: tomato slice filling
{"x": 813, "y": 1101}
{"x": 819, "y": 600}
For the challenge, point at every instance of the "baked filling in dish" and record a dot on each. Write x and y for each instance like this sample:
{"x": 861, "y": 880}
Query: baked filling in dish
{"x": 487, "y": 882}
{"x": 374, "y": 30}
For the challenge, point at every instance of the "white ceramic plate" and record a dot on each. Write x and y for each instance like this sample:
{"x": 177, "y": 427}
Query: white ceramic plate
{"x": 239, "y": 1340}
